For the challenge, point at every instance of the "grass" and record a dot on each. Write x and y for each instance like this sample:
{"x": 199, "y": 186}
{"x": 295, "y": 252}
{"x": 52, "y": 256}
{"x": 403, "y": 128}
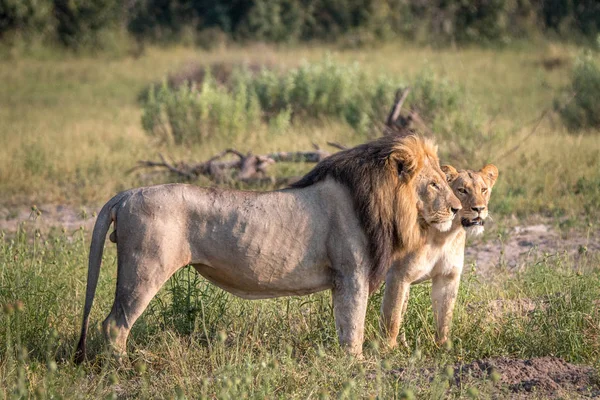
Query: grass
{"x": 196, "y": 340}
{"x": 71, "y": 128}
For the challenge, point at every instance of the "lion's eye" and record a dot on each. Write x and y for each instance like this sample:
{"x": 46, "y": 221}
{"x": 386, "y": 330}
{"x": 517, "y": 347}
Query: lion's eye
{"x": 462, "y": 190}
{"x": 483, "y": 190}
{"x": 435, "y": 185}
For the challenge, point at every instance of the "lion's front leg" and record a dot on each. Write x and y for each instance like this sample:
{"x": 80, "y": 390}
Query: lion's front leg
{"x": 393, "y": 308}
{"x": 443, "y": 295}
{"x": 350, "y": 296}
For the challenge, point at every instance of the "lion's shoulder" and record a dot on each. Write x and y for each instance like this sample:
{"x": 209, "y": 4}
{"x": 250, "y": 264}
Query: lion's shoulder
{"x": 384, "y": 203}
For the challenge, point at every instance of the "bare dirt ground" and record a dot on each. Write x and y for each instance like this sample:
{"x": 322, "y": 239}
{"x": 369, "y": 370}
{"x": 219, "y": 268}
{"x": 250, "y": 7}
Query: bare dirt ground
{"x": 525, "y": 244}
{"x": 542, "y": 377}
{"x": 49, "y": 216}
{"x": 545, "y": 376}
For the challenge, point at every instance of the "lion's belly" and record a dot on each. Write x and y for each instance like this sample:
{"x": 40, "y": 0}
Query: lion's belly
{"x": 264, "y": 265}
{"x": 253, "y": 256}
{"x": 250, "y": 284}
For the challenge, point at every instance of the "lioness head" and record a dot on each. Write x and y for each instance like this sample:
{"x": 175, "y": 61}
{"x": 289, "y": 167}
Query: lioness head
{"x": 474, "y": 190}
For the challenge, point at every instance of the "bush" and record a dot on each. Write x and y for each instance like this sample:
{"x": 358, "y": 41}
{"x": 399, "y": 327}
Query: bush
{"x": 325, "y": 89}
{"x": 565, "y": 16}
{"x": 584, "y": 109}
{"x": 431, "y": 94}
{"x": 80, "y": 22}
{"x": 25, "y": 17}
{"x": 193, "y": 113}
{"x": 273, "y": 21}
{"x": 190, "y": 114}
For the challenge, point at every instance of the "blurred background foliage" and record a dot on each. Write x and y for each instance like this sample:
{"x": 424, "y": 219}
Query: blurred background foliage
{"x": 98, "y": 24}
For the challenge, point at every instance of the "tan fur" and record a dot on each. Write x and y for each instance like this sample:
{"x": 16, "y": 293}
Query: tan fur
{"x": 384, "y": 197}
{"x": 332, "y": 230}
{"x": 440, "y": 258}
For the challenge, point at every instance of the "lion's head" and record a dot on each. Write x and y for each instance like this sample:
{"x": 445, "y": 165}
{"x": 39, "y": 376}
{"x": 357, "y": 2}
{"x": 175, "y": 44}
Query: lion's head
{"x": 474, "y": 190}
{"x": 395, "y": 182}
{"x": 437, "y": 204}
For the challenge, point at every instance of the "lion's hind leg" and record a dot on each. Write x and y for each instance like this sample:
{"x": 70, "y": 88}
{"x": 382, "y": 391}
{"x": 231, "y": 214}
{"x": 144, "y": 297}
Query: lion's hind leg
{"x": 138, "y": 281}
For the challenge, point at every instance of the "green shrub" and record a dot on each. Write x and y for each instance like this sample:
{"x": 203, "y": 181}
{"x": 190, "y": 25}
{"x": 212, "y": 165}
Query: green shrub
{"x": 314, "y": 91}
{"x": 189, "y": 114}
{"x": 325, "y": 89}
{"x": 583, "y": 111}
{"x": 429, "y": 94}
{"x": 352, "y": 23}
{"x": 569, "y": 16}
{"x": 25, "y": 16}
{"x": 81, "y": 22}
{"x": 273, "y": 21}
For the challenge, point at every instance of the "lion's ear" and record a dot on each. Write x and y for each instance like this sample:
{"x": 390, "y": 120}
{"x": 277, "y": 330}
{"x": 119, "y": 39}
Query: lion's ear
{"x": 490, "y": 171}
{"x": 407, "y": 164}
{"x": 450, "y": 171}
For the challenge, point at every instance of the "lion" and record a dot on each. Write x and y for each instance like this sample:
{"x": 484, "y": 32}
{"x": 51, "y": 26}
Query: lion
{"x": 337, "y": 228}
{"x": 440, "y": 259}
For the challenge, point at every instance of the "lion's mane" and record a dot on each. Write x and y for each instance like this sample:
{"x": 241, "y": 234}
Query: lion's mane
{"x": 380, "y": 177}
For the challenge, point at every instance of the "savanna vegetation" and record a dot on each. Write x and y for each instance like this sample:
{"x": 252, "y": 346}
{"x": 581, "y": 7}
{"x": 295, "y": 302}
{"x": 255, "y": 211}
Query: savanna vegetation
{"x": 196, "y": 341}
{"x": 74, "y": 126}
{"x": 87, "y": 92}
{"x": 92, "y": 25}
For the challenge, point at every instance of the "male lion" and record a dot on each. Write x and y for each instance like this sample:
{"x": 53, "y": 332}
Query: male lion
{"x": 338, "y": 228}
{"x": 441, "y": 258}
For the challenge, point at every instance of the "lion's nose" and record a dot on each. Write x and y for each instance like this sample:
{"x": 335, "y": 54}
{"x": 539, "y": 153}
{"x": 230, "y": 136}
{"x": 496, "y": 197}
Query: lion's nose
{"x": 478, "y": 208}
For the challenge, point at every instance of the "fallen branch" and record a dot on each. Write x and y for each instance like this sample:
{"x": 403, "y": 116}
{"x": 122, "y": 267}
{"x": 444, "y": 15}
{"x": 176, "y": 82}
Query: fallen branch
{"x": 247, "y": 168}
{"x": 337, "y": 145}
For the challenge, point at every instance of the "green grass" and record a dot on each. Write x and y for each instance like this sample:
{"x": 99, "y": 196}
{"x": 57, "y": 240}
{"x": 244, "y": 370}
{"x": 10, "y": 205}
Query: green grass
{"x": 201, "y": 341}
{"x": 72, "y": 126}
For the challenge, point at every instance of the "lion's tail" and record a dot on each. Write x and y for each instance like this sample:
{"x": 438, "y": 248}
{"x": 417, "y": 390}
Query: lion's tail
{"x": 105, "y": 218}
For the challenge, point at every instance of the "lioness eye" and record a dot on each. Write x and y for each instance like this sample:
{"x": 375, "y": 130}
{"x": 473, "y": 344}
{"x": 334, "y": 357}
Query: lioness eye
{"x": 462, "y": 190}
{"x": 434, "y": 185}
{"x": 483, "y": 190}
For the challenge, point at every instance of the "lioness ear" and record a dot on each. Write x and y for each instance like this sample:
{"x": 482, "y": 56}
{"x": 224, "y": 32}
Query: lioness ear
{"x": 450, "y": 171}
{"x": 491, "y": 173}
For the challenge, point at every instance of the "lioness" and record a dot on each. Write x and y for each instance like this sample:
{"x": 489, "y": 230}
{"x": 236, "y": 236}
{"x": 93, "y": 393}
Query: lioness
{"x": 441, "y": 258}
{"x": 338, "y": 228}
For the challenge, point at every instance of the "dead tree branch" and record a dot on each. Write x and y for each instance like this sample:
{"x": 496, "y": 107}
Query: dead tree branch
{"x": 398, "y": 124}
{"x": 401, "y": 96}
{"x": 337, "y": 145}
{"x": 245, "y": 167}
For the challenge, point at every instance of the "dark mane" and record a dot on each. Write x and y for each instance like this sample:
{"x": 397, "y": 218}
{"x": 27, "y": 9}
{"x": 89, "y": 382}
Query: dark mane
{"x": 379, "y": 177}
